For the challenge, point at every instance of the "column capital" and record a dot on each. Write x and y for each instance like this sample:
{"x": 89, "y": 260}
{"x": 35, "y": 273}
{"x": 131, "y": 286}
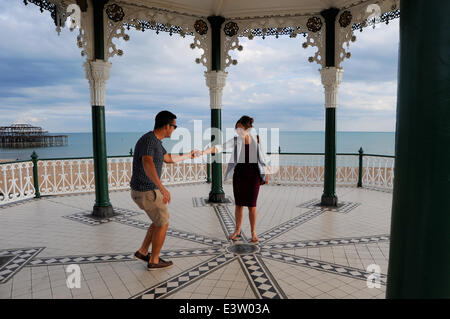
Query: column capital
{"x": 97, "y": 72}
{"x": 215, "y": 80}
{"x": 331, "y": 79}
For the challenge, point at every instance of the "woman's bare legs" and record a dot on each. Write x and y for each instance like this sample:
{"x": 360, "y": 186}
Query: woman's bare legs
{"x": 252, "y": 216}
{"x": 238, "y": 212}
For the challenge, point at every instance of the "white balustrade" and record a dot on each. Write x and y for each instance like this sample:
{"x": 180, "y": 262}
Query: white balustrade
{"x": 66, "y": 176}
{"x": 16, "y": 182}
{"x": 378, "y": 172}
{"x": 77, "y": 175}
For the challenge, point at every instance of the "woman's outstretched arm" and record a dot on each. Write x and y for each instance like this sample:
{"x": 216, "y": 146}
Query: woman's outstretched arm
{"x": 218, "y": 148}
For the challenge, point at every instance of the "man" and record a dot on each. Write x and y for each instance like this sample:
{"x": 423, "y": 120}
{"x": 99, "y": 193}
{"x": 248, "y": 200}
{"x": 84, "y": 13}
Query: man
{"x": 148, "y": 192}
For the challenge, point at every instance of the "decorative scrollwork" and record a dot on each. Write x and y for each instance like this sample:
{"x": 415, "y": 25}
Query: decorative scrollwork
{"x": 384, "y": 18}
{"x": 345, "y": 19}
{"x": 314, "y": 24}
{"x": 201, "y": 27}
{"x": 362, "y": 15}
{"x": 144, "y": 18}
{"x": 58, "y": 11}
{"x": 231, "y": 29}
{"x": 291, "y": 26}
{"x": 115, "y": 12}
{"x": 42, "y": 4}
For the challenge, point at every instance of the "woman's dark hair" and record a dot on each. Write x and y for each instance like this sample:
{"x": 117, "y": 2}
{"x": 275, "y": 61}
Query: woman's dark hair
{"x": 163, "y": 118}
{"x": 245, "y": 121}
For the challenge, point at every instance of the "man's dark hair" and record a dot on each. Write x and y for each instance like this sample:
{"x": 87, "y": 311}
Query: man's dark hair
{"x": 163, "y": 118}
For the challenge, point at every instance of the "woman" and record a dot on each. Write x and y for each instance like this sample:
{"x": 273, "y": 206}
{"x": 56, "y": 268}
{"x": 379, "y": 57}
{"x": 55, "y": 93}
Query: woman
{"x": 248, "y": 168}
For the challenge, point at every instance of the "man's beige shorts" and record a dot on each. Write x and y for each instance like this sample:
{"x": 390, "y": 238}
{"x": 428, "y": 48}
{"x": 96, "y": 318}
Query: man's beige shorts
{"x": 152, "y": 203}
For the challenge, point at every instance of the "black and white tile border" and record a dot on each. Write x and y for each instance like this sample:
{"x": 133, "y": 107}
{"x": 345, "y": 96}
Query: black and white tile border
{"x": 87, "y": 218}
{"x": 343, "y": 207}
{"x": 342, "y": 270}
{"x": 327, "y": 242}
{"x": 187, "y": 277}
{"x": 21, "y": 257}
{"x": 203, "y": 201}
{"x": 227, "y": 222}
{"x": 120, "y": 257}
{"x": 263, "y": 283}
{"x": 201, "y": 239}
{"x": 261, "y": 280}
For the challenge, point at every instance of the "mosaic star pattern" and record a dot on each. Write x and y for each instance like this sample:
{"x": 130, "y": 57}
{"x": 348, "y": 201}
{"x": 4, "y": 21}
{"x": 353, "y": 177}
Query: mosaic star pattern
{"x": 252, "y": 262}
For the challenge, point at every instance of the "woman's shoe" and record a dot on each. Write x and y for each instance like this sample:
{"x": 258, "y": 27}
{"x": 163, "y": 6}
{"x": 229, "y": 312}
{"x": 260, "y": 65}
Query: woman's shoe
{"x": 236, "y": 234}
{"x": 254, "y": 238}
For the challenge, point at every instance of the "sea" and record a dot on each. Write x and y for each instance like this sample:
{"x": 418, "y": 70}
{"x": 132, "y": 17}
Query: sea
{"x": 120, "y": 144}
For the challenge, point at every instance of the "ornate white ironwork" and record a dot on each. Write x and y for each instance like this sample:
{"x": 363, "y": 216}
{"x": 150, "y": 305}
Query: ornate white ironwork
{"x": 77, "y": 175}
{"x": 82, "y": 20}
{"x": 265, "y": 26}
{"x": 347, "y": 167}
{"x": 186, "y": 172}
{"x": 66, "y": 176}
{"x": 179, "y": 23}
{"x": 364, "y": 13}
{"x": 120, "y": 170}
{"x": 378, "y": 172}
{"x": 85, "y": 38}
{"x": 16, "y": 182}
{"x": 97, "y": 72}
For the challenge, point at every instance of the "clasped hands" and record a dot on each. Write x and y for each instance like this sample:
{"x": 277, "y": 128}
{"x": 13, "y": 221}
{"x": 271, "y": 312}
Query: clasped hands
{"x": 196, "y": 153}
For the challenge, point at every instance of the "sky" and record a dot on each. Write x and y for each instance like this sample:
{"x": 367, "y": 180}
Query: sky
{"x": 43, "y": 82}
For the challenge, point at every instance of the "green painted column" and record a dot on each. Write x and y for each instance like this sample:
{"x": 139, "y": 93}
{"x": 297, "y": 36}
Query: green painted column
{"x": 329, "y": 197}
{"x": 419, "y": 255}
{"x": 208, "y": 168}
{"x": 34, "y": 159}
{"x": 102, "y": 206}
{"x": 360, "y": 168}
{"x": 216, "y": 82}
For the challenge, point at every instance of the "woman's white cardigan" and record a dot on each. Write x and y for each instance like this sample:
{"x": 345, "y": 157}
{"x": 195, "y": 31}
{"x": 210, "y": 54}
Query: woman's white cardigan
{"x": 260, "y": 156}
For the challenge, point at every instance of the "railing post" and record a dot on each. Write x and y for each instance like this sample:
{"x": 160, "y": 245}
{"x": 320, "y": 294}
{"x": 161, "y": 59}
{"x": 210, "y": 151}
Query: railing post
{"x": 361, "y": 154}
{"x": 34, "y": 158}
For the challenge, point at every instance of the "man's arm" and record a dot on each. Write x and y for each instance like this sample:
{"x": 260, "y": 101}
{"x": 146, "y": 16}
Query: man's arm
{"x": 168, "y": 158}
{"x": 150, "y": 171}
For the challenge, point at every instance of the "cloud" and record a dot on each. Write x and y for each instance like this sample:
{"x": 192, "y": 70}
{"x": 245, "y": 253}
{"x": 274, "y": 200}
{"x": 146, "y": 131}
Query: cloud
{"x": 42, "y": 80}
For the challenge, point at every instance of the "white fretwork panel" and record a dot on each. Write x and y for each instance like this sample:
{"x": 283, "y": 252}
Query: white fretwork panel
{"x": 16, "y": 182}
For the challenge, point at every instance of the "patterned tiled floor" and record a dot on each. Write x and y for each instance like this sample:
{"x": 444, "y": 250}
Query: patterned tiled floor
{"x": 305, "y": 251}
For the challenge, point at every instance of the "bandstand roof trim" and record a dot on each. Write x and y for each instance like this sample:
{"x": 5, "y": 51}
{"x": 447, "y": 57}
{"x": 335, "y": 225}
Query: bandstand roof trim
{"x": 242, "y": 9}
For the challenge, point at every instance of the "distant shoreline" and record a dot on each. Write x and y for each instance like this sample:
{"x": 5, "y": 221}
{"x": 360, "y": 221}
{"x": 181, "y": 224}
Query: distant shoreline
{"x": 7, "y": 160}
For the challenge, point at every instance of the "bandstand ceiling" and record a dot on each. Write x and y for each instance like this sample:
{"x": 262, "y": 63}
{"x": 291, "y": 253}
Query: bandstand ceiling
{"x": 235, "y": 9}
